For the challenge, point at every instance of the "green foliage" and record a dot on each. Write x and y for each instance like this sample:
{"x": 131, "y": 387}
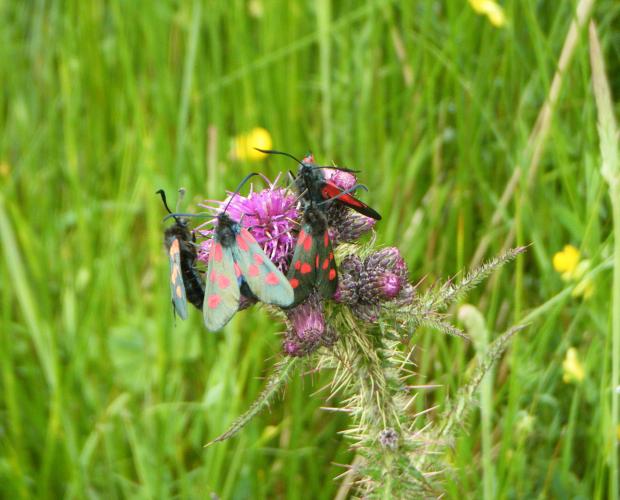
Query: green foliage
{"x": 101, "y": 104}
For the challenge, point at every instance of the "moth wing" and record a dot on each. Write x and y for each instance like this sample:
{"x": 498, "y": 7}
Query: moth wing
{"x": 330, "y": 190}
{"x": 177, "y": 287}
{"x": 326, "y": 274}
{"x": 221, "y": 299}
{"x": 265, "y": 280}
{"x": 302, "y": 272}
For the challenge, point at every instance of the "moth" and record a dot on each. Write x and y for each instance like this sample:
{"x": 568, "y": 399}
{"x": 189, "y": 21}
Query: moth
{"x": 313, "y": 265}
{"x": 185, "y": 280}
{"x": 311, "y": 179}
{"x": 237, "y": 263}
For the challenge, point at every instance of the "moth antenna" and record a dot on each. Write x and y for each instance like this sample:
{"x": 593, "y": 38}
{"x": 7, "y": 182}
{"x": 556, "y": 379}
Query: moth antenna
{"x": 162, "y": 193}
{"x": 175, "y": 215}
{"x": 236, "y": 192}
{"x": 274, "y": 152}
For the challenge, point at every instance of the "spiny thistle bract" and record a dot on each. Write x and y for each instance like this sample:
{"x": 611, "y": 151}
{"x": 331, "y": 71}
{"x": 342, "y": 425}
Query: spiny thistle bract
{"x": 363, "y": 335}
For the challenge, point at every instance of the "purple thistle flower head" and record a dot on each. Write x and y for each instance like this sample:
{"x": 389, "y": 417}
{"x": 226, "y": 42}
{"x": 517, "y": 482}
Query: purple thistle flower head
{"x": 366, "y": 286}
{"x": 307, "y": 329}
{"x": 390, "y": 285}
{"x": 268, "y": 214}
{"x": 344, "y": 180}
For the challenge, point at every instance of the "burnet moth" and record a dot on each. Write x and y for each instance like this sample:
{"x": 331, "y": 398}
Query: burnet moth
{"x": 313, "y": 265}
{"x": 311, "y": 178}
{"x": 185, "y": 281}
{"x": 237, "y": 261}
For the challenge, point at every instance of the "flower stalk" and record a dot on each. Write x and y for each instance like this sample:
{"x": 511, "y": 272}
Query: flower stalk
{"x": 610, "y": 170}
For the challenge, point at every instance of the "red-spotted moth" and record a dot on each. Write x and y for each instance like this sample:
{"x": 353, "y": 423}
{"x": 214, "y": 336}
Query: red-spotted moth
{"x": 311, "y": 180}
{"x": 313, "y": 264}
{"x": 237, "y": 260}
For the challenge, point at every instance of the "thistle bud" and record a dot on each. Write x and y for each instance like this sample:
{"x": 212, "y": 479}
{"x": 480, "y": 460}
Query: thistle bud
{"x": 388, "y": 438}
{"x": 350, "y": 269}
{"x": 386, "y": 258}
{"x": 390, "y": 285}
{"x": 347, "y": 225}
{"x": 365, "y": 286}
{"x": 306, "y": 330}
{"x": 367, "y": 311}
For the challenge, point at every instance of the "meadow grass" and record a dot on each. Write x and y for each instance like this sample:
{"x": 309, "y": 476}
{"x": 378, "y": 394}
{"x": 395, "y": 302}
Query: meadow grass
{"x": 103, "y": 394}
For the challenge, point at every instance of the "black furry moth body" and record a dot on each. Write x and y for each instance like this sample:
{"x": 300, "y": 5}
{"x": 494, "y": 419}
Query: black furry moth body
{"x": 185, "y": 280}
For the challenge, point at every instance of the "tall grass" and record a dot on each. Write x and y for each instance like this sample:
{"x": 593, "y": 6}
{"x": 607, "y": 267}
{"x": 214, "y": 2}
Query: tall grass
{"x": 103, "y": 394}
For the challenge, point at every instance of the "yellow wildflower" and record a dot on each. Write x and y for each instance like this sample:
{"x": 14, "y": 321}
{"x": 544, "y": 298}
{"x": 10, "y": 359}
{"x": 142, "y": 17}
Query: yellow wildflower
{"x": 573, "y": 369}
{"x": 491, "y": 9}
{"x": 244, "y": 144}
{"x": 566, "y": 261}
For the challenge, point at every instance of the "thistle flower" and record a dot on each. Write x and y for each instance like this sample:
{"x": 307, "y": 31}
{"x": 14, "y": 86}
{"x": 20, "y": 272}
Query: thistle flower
{"x": 366, "y": 286}
{"x": 244, "y": 145}
{"x": 307, "y": 330}
{"x": 268, "y": 214}
{"x": 344, "y": 180}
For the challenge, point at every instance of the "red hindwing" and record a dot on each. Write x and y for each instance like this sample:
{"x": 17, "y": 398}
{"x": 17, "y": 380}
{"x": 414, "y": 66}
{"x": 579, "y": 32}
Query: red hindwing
{"x": 330, "y": 190}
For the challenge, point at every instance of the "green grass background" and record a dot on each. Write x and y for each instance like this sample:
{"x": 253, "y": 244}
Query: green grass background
{"x": 102, "y": 395}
